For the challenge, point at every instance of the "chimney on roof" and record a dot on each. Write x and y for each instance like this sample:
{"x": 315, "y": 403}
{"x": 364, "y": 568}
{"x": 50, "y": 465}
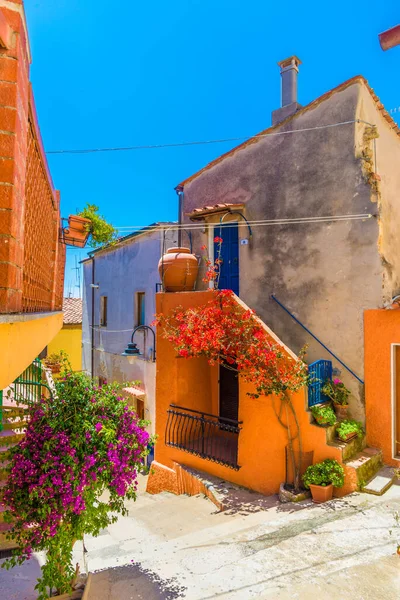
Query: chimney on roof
{"x": 289, "y": 69}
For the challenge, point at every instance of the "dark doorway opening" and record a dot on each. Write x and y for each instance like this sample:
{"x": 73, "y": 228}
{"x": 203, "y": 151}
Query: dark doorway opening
{"x": 228, "y": 393}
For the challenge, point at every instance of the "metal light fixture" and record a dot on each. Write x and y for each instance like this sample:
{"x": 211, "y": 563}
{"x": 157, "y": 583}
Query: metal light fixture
{"x": 133, "y": 350}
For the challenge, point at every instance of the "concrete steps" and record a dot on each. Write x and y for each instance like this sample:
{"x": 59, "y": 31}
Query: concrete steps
{"x": 381, "y": 482}
{"x": 366, "y": 464}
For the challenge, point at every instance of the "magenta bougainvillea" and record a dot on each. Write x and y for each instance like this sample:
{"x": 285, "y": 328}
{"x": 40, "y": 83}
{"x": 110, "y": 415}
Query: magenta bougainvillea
{"x": 79, "y": 444}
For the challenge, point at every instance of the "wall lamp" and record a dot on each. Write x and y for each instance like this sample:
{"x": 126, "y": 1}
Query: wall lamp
{"x": 133, "y": 350}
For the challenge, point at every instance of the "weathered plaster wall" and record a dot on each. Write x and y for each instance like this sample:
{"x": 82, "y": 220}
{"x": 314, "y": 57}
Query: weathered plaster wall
{"x": 325, "y": 273}
{"x": 386, "y": 162}
{"x": 69, "y": 339}
{"x": 121, "y": 272}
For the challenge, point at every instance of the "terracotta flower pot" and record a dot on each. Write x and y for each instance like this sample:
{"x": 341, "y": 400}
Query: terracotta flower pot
{"x": 348, "y": 437}
{"x": 178, "y": 270}
{"x": 321, "y": 420}
{"x": 321, "y": 493}
{"x": 77, "y": 232}
{"x": 341, "y": 411}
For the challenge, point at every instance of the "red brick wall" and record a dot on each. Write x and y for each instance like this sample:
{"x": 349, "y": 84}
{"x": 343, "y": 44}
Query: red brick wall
{"x": 31, "y": 254}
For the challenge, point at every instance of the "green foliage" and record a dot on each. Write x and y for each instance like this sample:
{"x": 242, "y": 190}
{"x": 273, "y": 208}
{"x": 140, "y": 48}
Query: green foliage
{"x": 323, "y": 414}
{"x": 350, "y": 426}
{"x": 56, "y": 358}
{"x": 336, "y": 391}
{"x": 324, "y": 473}
{"x": 79, "y": 444}
{"x": 101, "y": 232}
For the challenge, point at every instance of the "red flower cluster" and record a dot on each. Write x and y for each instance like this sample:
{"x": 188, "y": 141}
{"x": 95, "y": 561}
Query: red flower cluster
{"x": 226, "y": 333}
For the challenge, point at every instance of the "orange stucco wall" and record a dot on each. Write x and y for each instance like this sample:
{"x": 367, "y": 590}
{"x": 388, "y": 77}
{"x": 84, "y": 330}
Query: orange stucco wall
{"x": 192, "y": 383}
{"x": 381, "y": 330}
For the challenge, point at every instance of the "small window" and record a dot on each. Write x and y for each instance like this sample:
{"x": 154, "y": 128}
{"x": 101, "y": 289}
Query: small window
{"x": 140, "y": 409}
{"x": 103, "y": 311}
{"x": 140, "y": 309}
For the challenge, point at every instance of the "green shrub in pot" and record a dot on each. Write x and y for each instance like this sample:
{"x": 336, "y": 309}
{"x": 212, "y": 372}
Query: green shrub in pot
{"x": 349, "y": 427}
{"x": 323, "y": 414}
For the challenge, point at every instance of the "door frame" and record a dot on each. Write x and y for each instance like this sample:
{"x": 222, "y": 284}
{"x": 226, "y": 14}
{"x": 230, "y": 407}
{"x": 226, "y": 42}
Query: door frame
{"x": 214, "y": 231}
{"x": 394, "y": 402}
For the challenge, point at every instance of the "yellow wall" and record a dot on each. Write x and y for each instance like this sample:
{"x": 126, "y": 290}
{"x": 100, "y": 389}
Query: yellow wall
{"x": 69, "y": 339}
{"x": 22, "y": 338}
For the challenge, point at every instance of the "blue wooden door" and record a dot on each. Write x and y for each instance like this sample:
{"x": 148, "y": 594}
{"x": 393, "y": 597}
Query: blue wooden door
{"x": 229, "y": 276}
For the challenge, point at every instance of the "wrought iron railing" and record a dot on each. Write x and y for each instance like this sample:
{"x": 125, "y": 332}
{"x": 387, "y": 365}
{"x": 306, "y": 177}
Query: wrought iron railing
{"x": 209, "y": 436}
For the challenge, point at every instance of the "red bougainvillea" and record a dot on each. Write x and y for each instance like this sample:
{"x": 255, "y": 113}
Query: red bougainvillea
{"x": 227, "y": 333}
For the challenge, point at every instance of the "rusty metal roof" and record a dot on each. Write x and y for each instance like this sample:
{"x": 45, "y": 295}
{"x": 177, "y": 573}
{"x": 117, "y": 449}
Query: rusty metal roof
{"x": 310, "y": 106}
{"x": 199, "y": 214}
{"x": 72, "y": 309}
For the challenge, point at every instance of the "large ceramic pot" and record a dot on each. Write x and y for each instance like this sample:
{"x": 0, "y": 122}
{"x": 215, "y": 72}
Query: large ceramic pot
{"x": 178, "y": 270}
{"x": 77, "y": 232}
{"x": 321, "y": 493}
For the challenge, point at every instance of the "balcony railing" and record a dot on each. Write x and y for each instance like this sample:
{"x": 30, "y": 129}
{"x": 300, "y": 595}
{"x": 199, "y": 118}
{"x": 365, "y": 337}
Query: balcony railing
{"x": 209, "y": 436}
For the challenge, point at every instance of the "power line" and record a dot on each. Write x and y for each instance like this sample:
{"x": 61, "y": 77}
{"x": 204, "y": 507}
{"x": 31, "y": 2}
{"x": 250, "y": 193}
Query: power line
{"x": 202, "y": 142}
{"x": 254, "y": 223}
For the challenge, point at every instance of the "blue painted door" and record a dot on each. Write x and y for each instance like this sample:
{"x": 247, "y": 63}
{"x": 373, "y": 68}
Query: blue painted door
{"x": 229, "y": 276}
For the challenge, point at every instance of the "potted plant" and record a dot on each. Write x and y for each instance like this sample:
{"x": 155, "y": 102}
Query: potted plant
{"x": 339, "y": 394}
{"x": 322, "y": 477}
{"x": 87, "y": 223}
{"x": 349, "y": 429}
{"x": 323, "y": 414}
{"x": 53, "y": 361}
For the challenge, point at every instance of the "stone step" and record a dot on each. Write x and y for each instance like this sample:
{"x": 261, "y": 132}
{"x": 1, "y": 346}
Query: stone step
{"x": 14, "y": 424}
{"x": 7, "y": 438}
{"x": 366, "y": 464}
{"x": 349, "y": 449}
{"x": 381, "y": 482}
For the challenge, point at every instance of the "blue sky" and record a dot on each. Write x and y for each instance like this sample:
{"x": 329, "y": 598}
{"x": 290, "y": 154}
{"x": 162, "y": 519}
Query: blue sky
{"x": 134, "y": 73}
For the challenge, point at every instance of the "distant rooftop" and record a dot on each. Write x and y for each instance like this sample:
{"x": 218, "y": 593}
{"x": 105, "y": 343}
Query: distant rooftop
{"x": 72, "y": 308}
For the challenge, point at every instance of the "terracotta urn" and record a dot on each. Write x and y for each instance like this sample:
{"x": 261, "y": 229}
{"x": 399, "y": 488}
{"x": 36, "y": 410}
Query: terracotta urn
{"x": 321, "y": 493}
{"x": 341, "y": 411}
{"x": 77, "y": 232}
{"x": 178, "y": 270}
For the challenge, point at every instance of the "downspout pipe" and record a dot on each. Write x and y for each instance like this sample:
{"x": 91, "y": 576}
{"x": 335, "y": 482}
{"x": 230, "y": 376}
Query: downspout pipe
{"x": 92, "y": 317}
{"x": 180, "y": 192}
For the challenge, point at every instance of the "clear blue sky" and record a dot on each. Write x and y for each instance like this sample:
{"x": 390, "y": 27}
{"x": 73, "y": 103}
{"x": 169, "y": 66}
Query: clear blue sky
{"x": 129, "y": 73}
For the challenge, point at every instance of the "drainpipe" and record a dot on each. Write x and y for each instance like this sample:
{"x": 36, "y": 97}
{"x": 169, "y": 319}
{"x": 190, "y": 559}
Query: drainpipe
{"x": 92, "y": 318}
{"x": 179, "y": 191}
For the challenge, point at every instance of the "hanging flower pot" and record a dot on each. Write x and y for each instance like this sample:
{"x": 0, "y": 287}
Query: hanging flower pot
{"x": 178, "y": 270}
{"x": 77, "y": 232}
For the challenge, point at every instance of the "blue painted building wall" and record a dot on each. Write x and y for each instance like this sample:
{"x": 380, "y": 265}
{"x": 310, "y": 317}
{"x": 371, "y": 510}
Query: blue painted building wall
{"x": 121, "y": 272}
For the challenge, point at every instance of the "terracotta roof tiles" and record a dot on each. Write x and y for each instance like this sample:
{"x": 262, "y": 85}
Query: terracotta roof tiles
{"x": 72, "y": 308}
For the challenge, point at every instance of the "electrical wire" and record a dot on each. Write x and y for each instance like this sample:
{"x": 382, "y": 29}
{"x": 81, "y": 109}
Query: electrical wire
{"x": 253, "y": 223}
{"x": 203, "y": 142}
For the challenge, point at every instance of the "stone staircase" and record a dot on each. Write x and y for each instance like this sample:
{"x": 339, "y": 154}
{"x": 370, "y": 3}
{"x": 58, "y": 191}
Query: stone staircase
{"x": 363, "y": 465}
{"x": 13, "y": 431}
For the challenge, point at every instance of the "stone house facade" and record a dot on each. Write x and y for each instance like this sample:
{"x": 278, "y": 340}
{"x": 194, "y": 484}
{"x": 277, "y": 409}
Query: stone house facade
{"x": 319, "y": 191}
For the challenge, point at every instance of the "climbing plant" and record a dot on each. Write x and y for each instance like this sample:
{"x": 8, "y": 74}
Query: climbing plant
{"x": 80, "y": 443}
{"x": 228, "y": 334}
